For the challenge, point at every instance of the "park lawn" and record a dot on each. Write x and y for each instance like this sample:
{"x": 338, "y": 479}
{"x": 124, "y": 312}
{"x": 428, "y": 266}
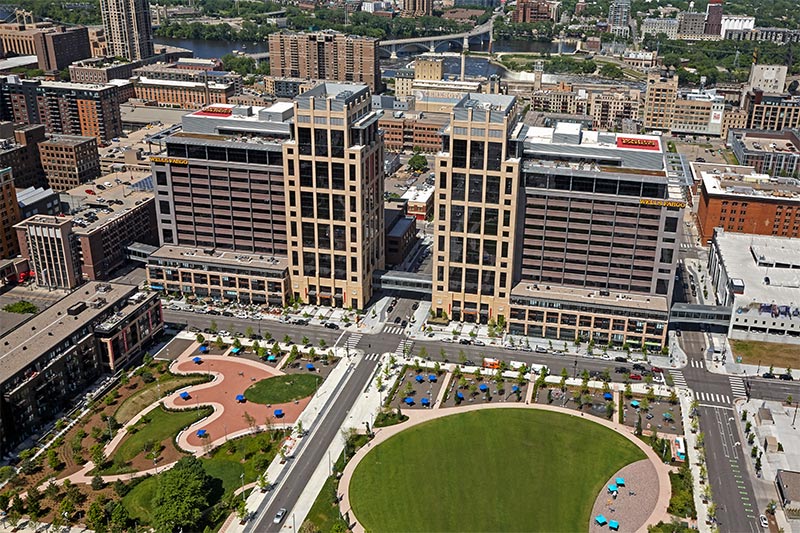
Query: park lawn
{"x": 283, "y": 389}
{"x": 222, "y": 465}
{"x": 157, "y": 426}
{"x": 149, "y": 394}
{"x": 489, "y": 470}
{"x": 324, "y": 513}
{"x": 768, "y": 353}
{"x": 139, "y": 501}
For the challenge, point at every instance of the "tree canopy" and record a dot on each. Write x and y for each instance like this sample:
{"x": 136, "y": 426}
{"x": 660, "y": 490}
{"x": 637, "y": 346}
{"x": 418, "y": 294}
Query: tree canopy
{"x": 182, "y": 496}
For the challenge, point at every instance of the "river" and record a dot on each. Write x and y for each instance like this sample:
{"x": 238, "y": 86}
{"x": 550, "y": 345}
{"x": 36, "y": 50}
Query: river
{"x": 475, "y": 66}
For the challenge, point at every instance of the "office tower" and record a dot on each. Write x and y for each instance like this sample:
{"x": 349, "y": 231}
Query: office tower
{"x": 9, "y": 215}
{"x": 659, "y": 100}
{"x": 51, "y": 246}
{"x": 55, "y": 47}
{"x": 619, "y": 16}
{"x": 417, "y": 8}
{"x": 429, "y": 69}
{"x": 334, "y": 182}
{"x": 476, "y": 210}
{"x": 128, "y": 28}
{"x": 69, "y": 161}
{"x": 67, "y": 108}
{"x": 714, "y": 18}
{"x": 326, "y": 55}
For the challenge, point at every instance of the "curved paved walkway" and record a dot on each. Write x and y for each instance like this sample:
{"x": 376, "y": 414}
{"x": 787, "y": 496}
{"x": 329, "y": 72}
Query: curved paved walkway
{"x": 231, "y": 376}
{"x": 658, "y": 513}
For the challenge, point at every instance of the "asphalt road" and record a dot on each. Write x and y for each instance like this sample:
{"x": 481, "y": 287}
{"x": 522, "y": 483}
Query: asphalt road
{"x": 314, "y": 446}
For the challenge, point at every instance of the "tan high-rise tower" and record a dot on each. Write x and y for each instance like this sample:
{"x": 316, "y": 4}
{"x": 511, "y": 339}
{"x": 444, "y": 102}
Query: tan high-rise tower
{"x": 128, "y": 28}
{"x": 417, "y": 8}
{"x": 334, "y": 184}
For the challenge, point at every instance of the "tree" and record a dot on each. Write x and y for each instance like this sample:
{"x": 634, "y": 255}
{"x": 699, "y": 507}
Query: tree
{"x": 628, "y": 391}
{"x": 673, "y": 397}
{"x": 200, "y": 339}
{"x": 98, "y": 456}
{"x": 53, "y": 460}
{"x": 219, "y": 342}
{"x": 214, "y": 328}
{"x": 287, "y": 339}
{"x": 304, "y": 341}
{"x": 182, "y": 496}
{"x": 417, "y": 162}
{"x": 322, "y": 343}
{"x": 120, "y": 519}
{"x": 249, "y": 333}
{"x": 98, "y": 483}
{"x": 237, "y": 343}
{"x": 96, "y": 517}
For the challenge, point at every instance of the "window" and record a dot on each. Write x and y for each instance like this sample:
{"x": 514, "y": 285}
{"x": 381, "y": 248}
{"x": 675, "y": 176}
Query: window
{"x": 474, "y": 220}
{"x": 456, "y": 249}
{"x": 492, "y": 189}
{"x": 489, "y": 252}
{"x": 459, "y": 184}
{"x": 459, "y": 153}
{"x": 473, "y": 251}
{"x": 471, "y": 281}
{"x": 454, "y": 279}
{"x": 476, "y": 154}
{"x": 457, "y": 218}
{"x": 475, "y": 188}
{"x": 494, "y": 156}
{"x": 490, "y": 222}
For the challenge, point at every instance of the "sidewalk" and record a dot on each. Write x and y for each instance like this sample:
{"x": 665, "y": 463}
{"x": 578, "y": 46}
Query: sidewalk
{"x": 685, "y": 397}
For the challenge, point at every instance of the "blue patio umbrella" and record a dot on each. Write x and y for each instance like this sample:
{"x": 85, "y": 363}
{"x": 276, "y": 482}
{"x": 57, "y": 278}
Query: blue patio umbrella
{"x": 432, "y": 378}
{"x": 620, "y": 481}
{"x": 409, "y": 400}
{"x": 419, "y": 379}
{"x": 202, "y": 433}
{"x": 613, "y": 488}
{"x": 601, "y": 520}
{"x": 185, "y": 395}
{"x": 425, "y": 402}
{"x": 236, "y": 350}
{"x": 204, "y": 349}
{"x": 635, "y": 403}
{"x": 608, "y": 396}
{"x": 514, "y": 389}
{"x": 484, "y": 387}
{"x": 197, "y": 360}
{"x": 613, "y": 524}
{"x": 460, "y": 395}
{"x": 278, "y": 413}
{"x": 667, "y": 416}
{"x": 240, "y": 398}
{"x": 309, "y": 366}
{"x": 272, "y": 358}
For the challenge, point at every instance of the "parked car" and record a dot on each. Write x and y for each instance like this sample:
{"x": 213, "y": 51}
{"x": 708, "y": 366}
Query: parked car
{"x": 640, "y": 367}
{"x": 768, "y": 375}
{"x": 622, "y": 370}
{"x": 477, "y": 342}
{"x": 620, "y": 359}
{"x": 404, "y": 323}
{"x": 331, "y": 325}
{"x": 541, "y": 349}
{"x": 677, "y": 333}
{"x": 657, "y": 369}
{"x": 447, "y": 339}
{"x": 90, "y": 191}
{"x": 464, "y": 341}
{"x": 786, "y": 377}
{"x": 636, "y": 377}
{"x": 763, "y": 521}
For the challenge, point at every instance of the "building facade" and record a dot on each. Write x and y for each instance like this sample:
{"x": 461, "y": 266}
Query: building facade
{"x": 183, "y": 94}
{"x": 417, "y": 8}
{"x": 9, "y": 215}
{"x": 333, "y": 171}
{"x": 63, "y": 108}
{"x": 741, "y": 200}
{"x": 20, "y": 151}
{"x": 659, "y": 100}
{"x": 773, "y": 153}
{"x": 128, "y": 28}
{"x": 654, "y": 26}
{"x": 69, "y": 161}
{"x": 410, "y": 131}
{"x": 773, "y": 112}
{"x": 55, "y": 47}
{"x": 619, "y": 17}
{"x": 326, "y": 55}
{"x": 51, "y": 358}
{"x": 51, "y": 248}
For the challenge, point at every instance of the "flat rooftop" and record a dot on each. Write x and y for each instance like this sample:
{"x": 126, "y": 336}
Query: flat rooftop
{"x": 791, "y": 484}
{"x": 767, "y": 268}
{"x": 42, "y": 332}
{"x": 401, "y": 227}
{"x": 741, "y": 181}
{"x": 229, "y": 259}
{"x": 185, "y": 84}
{"x": 591, "y": 297}
{"x": 489, "y": 102}
{"x": 66, "y": 140}
{"x": 770, "y": 142}
{"x": 105, "y": 205}
{"x": 338, "y": 91}
{"x": 415, "y": 194}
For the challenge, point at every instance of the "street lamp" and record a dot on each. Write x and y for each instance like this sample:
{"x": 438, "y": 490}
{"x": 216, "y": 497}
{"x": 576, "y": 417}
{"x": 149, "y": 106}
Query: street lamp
{"x": 242, "y": 478}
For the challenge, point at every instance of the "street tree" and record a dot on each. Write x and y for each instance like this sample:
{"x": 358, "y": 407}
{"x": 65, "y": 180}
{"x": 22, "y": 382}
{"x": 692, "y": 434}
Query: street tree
{"x": 182, "y": 495}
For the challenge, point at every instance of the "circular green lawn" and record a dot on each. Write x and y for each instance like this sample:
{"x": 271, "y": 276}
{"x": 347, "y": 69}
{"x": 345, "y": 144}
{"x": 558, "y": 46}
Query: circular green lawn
{"x": 489, "y": 470}
{"x": 282, "y": 389}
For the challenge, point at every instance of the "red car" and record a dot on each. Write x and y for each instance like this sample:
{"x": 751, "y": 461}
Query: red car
{"x": 656, "y": 369}
{"x": 89, "y": 191}
{"x": 636, "y": 377}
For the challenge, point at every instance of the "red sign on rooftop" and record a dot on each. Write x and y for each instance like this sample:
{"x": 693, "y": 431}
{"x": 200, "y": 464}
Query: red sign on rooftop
{"x": 639, "y": 144}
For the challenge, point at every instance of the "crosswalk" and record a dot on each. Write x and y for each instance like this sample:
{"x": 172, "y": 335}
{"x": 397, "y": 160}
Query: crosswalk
{"x": 686, "y": 245}
{"x": 677, "y": 378}
{"x": 737, "y": 388}
{"x": 697, "y": 363}
{"x": 372, "y": 357}
{"x": 352, "y": 341}
{"x": 709, "y": 397}
{"x": 403, "y": 348}
{"x": 393, "y": 330}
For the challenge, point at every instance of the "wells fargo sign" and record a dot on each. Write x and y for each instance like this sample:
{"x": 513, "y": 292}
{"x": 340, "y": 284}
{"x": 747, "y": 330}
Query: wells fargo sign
{"x": 661, "y": 203}
{"x": 216, "y": 111}
{"x": 640, "y": 144}
{"x": 169, "y": 160}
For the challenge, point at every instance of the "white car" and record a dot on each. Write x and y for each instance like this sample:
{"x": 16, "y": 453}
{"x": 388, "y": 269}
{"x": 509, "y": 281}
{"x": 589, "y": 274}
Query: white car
{"x": 763, "y": 521}
{"x": 279, "y": 516}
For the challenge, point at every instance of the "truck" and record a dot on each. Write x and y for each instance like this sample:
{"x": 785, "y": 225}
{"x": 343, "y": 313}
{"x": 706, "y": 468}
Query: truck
{"x": 493, "y": 364}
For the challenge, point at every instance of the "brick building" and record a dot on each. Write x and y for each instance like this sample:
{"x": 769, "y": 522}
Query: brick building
{"x": 55, "y": 47}
{"x": 183, "y": 94}
{"x": 69, "y": 161}
{"x": 9, "y": 215}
